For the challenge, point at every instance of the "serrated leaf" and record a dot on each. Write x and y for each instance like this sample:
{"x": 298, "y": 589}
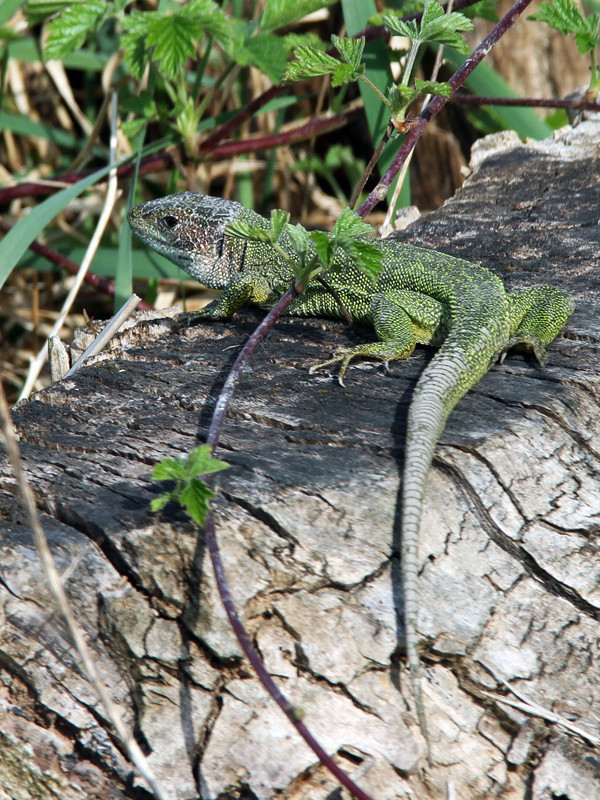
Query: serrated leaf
{"x": 367, "y": 257}
{"x": 350, "y": 50}
{"x": 160, "y": 502}
{"x": 299, "y": 238}
{"x": 269, "y": 53}
{"x": 208, "y": 18}
{"x": 173, "y": 38}
{"x": 433, "y": 87}
{"x": 400, "y": 27}
{"x": 71, "y": 28}
{"x": 252, "y": 233}
{"x": 195, "y": 499}
{"x": 562, "y": 15}
{"x": 350, "y": 224}
{"x": 344, "y": 73}
{"x": 133, "y": 41}
{"x": 200, "y": 461}
{"x": 309, "y": 63}
{"x": 278, "y": 13}
{"x": 586, "y": 42}
{"x": 323, "y": 246}
{"x": 169, "y": 469}
{"x": 279, "y": 222}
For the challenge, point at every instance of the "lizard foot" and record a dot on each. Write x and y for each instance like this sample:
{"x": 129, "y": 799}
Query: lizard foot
{"x": 524, "y": 342}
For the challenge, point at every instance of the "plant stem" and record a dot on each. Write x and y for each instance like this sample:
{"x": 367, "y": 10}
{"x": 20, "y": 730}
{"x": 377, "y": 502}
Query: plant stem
{"x": 418, "y": 125}
{"x": 215, "y": 554}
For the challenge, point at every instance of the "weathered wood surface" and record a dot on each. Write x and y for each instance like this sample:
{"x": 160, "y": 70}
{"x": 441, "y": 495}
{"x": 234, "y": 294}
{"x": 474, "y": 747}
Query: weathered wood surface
{"x": 308, "y": 519}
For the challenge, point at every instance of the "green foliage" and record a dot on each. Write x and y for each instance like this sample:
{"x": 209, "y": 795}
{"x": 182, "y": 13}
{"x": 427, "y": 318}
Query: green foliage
{"x": 565, "y": 16}
{"x": 436, "y": 27}
{"x": 190, "y": 490}
{"x": 278, "y": 13}
{"x": 72, "y": 26}
{"x": 314, "y": 252}
{"x": 169, "y": 39}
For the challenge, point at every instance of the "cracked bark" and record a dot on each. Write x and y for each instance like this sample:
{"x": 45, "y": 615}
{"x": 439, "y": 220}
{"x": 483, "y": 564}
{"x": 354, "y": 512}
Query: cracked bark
{"x": 309, "y": 524}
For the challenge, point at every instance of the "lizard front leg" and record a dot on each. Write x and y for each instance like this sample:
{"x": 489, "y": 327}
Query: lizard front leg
{"x": 247, "y": 287}
{"x": 401, "y": 319}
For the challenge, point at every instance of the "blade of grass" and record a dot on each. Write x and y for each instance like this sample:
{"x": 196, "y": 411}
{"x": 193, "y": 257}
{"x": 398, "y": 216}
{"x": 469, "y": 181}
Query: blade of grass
{"x": 28, "y": 228}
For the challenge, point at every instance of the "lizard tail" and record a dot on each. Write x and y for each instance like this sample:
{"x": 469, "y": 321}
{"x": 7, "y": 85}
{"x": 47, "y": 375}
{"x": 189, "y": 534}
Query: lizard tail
{"x": 448, "y": 377}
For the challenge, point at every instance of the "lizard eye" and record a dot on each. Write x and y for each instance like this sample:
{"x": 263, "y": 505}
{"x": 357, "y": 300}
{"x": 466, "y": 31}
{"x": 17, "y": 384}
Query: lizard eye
{"x": 170, "y": 221}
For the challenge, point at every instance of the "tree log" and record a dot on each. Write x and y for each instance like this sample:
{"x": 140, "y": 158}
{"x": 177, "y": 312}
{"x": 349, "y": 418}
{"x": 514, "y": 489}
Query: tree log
{"x": 308, "y": 519}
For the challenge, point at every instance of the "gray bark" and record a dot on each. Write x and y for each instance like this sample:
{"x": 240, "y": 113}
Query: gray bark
{"x": 308, "y": 519}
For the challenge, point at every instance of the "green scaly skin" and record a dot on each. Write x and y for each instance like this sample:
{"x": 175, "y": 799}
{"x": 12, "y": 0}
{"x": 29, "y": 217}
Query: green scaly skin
{"x": 421, "y": 296}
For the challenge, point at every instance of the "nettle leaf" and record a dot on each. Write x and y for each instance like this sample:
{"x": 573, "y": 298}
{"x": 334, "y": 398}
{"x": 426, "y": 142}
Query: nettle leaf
{"x": 71, "y": 28}
{"x": 586, "y": 41}
{"x": 323, "y": 246}
{"x": 433, "y": 87}
{"x": 350, "y": 50}
{"x": 279, "y": 222}
{"x": 344, "y": 73}
{"x": 239, "y": 229}
{"x": 170, "y": 469}
{"x": 269, "y": 53}
{"x": 310, "y": 63}
{"x": 366, "y": 255}
{"x": 409, "y": 29}
{"x": 442, "y": 28}
{"x": 278, "y": 13}
{"x": 209, "y": 19}
{"x": 562, "y": 15}
{"x": 195, "y": 498}
{"x": 299, "y": 238}
{"x": 133, "y": 42}
{"x": 174, "y": 40}
{"x": 200, "y": 461}
{"x": 350, "y": 224}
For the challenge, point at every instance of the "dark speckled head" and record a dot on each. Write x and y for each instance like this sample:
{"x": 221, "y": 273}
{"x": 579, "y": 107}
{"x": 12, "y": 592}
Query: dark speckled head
{"x": 189, "y": 229}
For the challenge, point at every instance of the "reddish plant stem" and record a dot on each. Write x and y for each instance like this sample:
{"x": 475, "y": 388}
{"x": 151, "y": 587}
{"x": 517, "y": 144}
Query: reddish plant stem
{"x": 476, "y": 100}
{"x": 305, "y": 131}
{"x": 212, "y": 439}
{"x": 417, "y": 126}
{"x": 65, "y": 263}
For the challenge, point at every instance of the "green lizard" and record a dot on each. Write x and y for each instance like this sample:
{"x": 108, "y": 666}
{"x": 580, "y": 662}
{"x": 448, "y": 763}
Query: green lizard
{"x": 421, "y": 296}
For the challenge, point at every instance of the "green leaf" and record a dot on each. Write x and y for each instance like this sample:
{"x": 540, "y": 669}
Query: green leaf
{"x": 16, "y": 242}
{"x": 562, "y": 15}
{"x": 299, "y": 238}
{"x": 350, "y": 224}
{"x": 71, "y": 28}
{"x": 174, "y": 40}
{"x": 269, "y": 53}
{"x": 323, "y": 246}
{"x": 160, "y": 502}
{"x": 309, "y": 63}
{"x": 278, "y": 13}
{"x": 195, "y": 499}
{"x": 170, "y": 469}
{"x": 279, "y": 222}
{"x": 409, "y": 29}
{"x": 350, "y": 50}
{"x": 344, "y": 73}
{"x": 367, "y": 257}
{"x": 133, "y": 42}
{"x": 433, "y": 87}
{"x": 200, "y": 461}
{"x": 243, "y": 230}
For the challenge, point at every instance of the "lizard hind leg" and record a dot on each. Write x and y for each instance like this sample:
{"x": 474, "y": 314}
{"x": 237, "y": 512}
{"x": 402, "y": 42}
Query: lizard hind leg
{"x": 537, "y": 315}
{"x": 398, "y": 327}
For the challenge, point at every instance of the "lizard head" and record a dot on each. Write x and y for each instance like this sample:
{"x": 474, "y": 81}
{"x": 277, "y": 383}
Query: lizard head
{"x": 189, "y": 230}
